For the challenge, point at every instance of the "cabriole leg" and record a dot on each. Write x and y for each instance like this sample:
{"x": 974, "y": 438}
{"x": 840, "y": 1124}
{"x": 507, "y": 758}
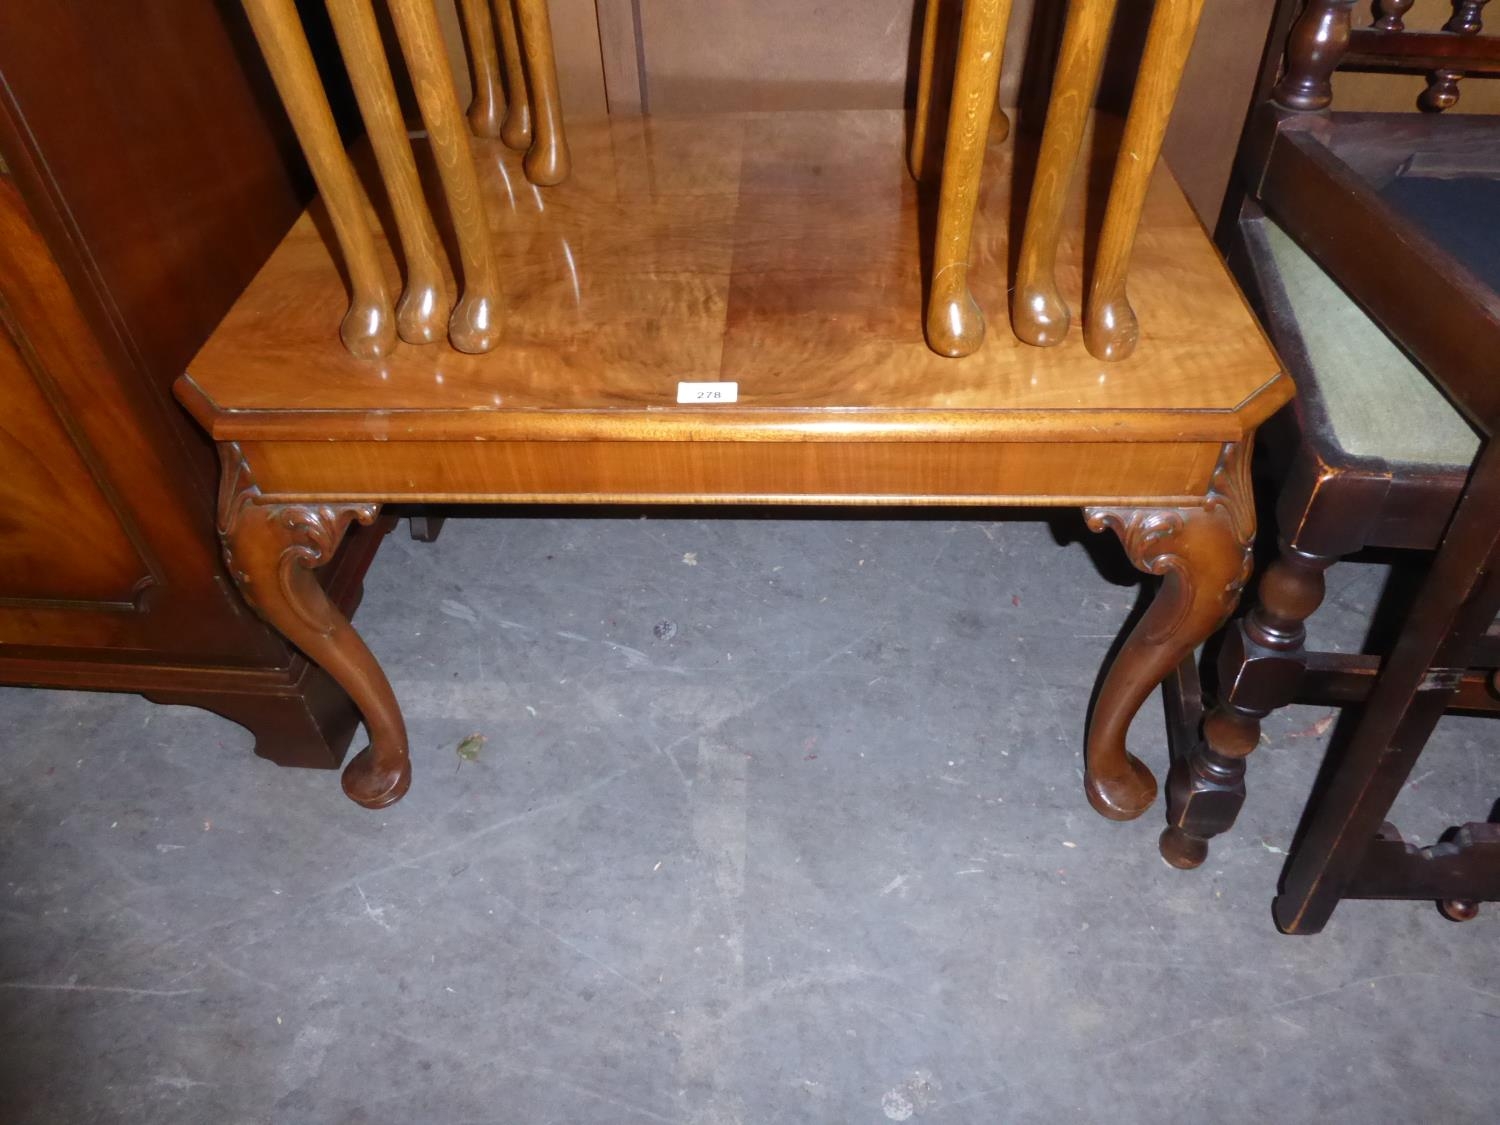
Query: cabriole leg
{"x": 272, "y": 549}
{"x": 1203, "y": 554}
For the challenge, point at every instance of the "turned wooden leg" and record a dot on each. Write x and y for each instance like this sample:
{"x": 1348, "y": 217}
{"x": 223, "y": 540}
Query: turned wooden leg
{"x": 475, "y": 324}
{"x": 485, "y": 109}
{"x": 1203, "y": 554}
{"x": 547, "y": 161}
{"x": 369, "y": 328}
{"x": 1260, "y": 667}
{"x": 955, "y": 324}
{"x": 1317, "y": 42}
{"x": 1442, "y": 91}
{"x": 1442, "y": 85}
{"x": 1390, "y": 15}
{"x": 426, "y": 301}
{"x": 1039, "y": 314}
{"x": 1110, "y": 329}
{"x": 515, "y": 130}
{"x": 272, "y": 549}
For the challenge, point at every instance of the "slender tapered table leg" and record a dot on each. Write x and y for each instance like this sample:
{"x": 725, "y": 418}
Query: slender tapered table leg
{"x": 369, "y": 327}
{"x": 427, "y": 299}
{"x": 547, "y": 161}
{"x": 1110, "y": 328}
{"x": 1039, "y": 314}
{"x": 272, "y": 549}
{"x": 486, "y": 109}
{"x": 515, "y": 130}
{"x": 475, "y": 324}
{"x": 1203, "y": 555}
{"x": 955, "y": 324}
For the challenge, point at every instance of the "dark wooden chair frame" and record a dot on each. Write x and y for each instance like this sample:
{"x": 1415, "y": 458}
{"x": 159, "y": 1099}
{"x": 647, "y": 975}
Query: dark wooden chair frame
{"x": 1318, "y": 175}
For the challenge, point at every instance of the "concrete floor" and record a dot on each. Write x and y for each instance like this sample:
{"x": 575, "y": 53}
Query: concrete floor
{"x": 774, "y": 821}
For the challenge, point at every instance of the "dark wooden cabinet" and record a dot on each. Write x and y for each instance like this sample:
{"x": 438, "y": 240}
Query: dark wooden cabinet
{"x": 146, "y": 178}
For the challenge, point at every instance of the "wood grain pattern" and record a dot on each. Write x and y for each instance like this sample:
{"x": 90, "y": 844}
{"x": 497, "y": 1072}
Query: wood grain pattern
{"x": 1111, "y": 328}
{"x": 52, "y": 500}
{"x": 781, "y": 251}
{"x": 486, "y": 108}
{"x": 515, "y": 130}
{"x": 548, "y": 161}
{"x": 955, "y": 322}
{"x": 853, "y": 470}
{"x": 473, "y": 328}
{"x": 1038, "y": 313}
{"x": 368, "y": 327}
{"x": 427, "y": 297}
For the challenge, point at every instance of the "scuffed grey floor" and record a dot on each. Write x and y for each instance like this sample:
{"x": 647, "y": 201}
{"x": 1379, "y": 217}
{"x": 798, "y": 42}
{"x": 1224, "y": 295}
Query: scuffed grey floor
{"x": 772, "y": 821}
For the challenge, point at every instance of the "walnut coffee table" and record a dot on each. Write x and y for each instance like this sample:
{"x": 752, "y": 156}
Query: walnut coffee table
{"x": 728, "y": 310}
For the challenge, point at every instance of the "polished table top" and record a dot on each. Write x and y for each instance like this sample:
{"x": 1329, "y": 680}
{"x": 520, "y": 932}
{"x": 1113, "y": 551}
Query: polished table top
{"x": 778, "y": 251}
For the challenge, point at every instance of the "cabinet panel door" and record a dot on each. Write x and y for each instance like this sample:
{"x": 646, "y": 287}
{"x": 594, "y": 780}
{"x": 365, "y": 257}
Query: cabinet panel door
{"x": 60, "y": 538}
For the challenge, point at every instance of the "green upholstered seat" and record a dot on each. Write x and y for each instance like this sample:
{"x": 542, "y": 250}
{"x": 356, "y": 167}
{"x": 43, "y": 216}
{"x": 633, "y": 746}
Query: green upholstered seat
{"x": 1378, "y": 403}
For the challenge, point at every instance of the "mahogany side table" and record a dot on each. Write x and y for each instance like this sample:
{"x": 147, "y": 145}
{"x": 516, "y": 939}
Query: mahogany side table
{"x": 727, "y": 309}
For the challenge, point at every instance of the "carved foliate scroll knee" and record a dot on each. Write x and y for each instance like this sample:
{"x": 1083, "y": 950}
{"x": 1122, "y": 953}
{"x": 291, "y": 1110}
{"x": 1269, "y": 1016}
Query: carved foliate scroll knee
{"x": 272, "y": 550}
{"x": 1203, "y": 555}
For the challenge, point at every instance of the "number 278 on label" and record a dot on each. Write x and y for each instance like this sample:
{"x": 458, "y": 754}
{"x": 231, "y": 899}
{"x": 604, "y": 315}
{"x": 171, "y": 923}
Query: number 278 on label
{"x": 708, "y": 394}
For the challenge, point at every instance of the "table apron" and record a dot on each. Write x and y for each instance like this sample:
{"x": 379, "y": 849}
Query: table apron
{"x": 1162, "y": 474}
